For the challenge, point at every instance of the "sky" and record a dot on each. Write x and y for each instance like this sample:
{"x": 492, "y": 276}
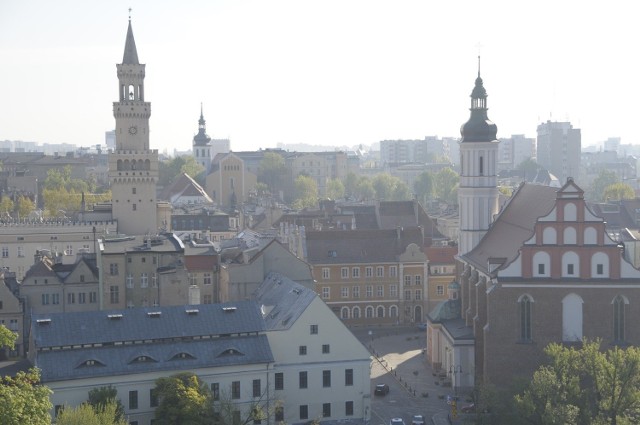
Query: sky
{"x": 327, "y": 72}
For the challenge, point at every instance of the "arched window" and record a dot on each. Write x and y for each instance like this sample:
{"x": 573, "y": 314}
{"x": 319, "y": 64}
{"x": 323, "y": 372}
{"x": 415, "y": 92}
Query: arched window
{"x": 393, "y": 311}
{"x": 569, "y": 236}
{"x": 572, "y": 318}
{"x": 380, "y": 312}
{"x": 549, "y": 236}
{"x": 355, "y": 312}
{"x": 618, "y": 318}
{"x": 590, "y": 236}
{"x": 344, "y": 313}
{"x": 541, "y": 264}
{"x": 570, "y": 264}
{"x": 524, "y": 307}
{"x": 599, "y": 265}
{"x": 368, "y": 312}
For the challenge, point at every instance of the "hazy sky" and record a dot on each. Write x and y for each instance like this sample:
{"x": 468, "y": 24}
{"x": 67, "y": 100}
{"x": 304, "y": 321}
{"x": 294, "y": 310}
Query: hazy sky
{"x": 326, "y": 72}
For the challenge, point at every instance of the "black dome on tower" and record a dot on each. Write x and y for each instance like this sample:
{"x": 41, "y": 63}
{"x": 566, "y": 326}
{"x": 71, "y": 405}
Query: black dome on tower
{"x": 479, "y": 128}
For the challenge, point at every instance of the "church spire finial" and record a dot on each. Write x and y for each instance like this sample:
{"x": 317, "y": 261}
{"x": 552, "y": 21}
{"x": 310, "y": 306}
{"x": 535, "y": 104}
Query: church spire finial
{"x": 129, "y": 14}
{"x": 478, "y": 66}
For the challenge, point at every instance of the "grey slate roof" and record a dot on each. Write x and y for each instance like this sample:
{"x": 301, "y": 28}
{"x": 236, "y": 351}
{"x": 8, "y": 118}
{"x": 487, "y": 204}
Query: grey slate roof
{"x": 95, "y": 327}
{"x": 513, "y": 226}
{"x": 359, "y": 246}
{"x": 286, "y": 299}
{"x": 122, "y": 360}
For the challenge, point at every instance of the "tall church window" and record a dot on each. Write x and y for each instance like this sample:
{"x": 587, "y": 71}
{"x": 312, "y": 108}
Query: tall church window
{"x": 572, "y": 318}
{"x": 524, "y": 306}
{"x": 481, "y": 166}
{"x": 618, "y": 318}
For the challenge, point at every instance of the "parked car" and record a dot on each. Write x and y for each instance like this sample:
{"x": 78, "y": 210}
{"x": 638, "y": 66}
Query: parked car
{"x": 469, "y": 408}
{"x": 396, "y": 421}
{"x": 417, "y": 420}
{"x": 381, "y": 389}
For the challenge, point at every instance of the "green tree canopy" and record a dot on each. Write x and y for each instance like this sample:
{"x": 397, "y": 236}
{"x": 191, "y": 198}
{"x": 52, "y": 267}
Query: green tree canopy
{"x": 335, "y": 189}
{"x": 605, "y": 178}
{"x": 23, "y": 400}
{"x": 7, "y": 338}
{"x": 619, "y": 191}
{"x": 183, "y": 399}
{"x": 364, "y": 189}
{"x": 25, "y": 206}
{"x": 584, "y": 386}
{"x": 6, "y": 205}
{"x": 351, "y": 184}
{"x": 306, "y": 192}
{"x": 86, "y": 414}
{"x": 272, "y": 171}
{"x": 99, "y": 398}
{"x": 445, "y": 183}
{"x": 169, "y": 170}
{"x": 423, "y": 187}
{"x": 529, "y": 167}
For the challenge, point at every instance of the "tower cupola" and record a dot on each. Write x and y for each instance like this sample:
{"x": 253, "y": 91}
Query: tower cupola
{"x": 478, "y": 128}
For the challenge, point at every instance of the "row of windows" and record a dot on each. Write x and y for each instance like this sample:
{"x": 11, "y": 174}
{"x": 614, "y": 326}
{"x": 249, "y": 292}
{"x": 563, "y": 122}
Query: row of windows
{"x": 302, "y": 349}
{"x": 355, "y": 292}
{"x": 144, "y": 280}
{"x": 72, "y": 297}
{"x": 355, "y": 271}
{"x": 354, "y": 312}
{"x": 570, "y": 264}
{"x": 572, "y": 318}
{"x": 20, "y": 250}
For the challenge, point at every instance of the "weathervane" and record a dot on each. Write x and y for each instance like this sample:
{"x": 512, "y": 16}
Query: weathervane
{"x": 129, "y": 14}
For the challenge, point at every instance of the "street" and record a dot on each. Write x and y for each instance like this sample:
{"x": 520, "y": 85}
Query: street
{"x": 399, "y": 362}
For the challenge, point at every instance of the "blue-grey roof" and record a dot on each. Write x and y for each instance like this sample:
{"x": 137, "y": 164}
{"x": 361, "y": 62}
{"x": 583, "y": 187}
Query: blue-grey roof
{"x": 125, "y": 359}
{"x": 284, "y": 300}
{"x": 96, "y": 327}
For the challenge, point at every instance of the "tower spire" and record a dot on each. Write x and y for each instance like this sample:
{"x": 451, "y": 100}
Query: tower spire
{"x": 130, "y": 56}
{"x": 478, "y": 64}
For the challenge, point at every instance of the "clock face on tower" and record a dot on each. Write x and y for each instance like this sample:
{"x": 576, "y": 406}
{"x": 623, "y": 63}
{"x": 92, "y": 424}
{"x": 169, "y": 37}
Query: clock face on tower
{"x": 133, "y": 130}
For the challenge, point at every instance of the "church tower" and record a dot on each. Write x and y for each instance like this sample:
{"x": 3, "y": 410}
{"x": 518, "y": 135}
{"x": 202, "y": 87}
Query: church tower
{"x": 478, "y": 190}
{"x": 133, "y": 167}
{"x": 202, "y": 144}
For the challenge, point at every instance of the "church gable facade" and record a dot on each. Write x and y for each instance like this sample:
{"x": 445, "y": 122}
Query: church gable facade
{"x": 569, "y": 281}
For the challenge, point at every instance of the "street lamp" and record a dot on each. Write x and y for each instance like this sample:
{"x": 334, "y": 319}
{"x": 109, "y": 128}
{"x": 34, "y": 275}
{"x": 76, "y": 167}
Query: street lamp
{"x": 453, "y": 370}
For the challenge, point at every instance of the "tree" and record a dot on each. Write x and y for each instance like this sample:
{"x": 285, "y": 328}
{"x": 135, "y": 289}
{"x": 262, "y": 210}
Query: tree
{"x": 272, "y": 171}
{"x": 423, "y": 186}
{"x": 86, "y": 414}
{"x": 168, "y": 171}
{"x": 7, "y": 338}
{"x": 383, "y": 185}
{"x": 25, "y": 206}
{"x": 584, "y": 386}
{"x": 400, "y": 191}
{"x": 445, "y": 183}
{"x": 193, "y": 169}
{"x": 23, "y": 400}
{"x": 605, "y": 178}
{"x": 618, "y": 192}
{"x": 335, "y": 189}
{"x": 99, "y": 398}
{"x": 183, "y": 399}
{"x": 6, "y": 206}
{"x": 306, "y": 191}
{"x": 364, "y": 189}
{"x": 351, "y": 184}
{"x": 529, "y": 169}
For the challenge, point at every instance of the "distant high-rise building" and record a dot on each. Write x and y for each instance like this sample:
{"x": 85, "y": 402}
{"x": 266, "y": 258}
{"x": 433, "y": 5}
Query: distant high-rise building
{"x": 515, "y": 149}
{"x": 612, "y": 144}
{"x": 559, "y": 148}
{"x": 110, "y": 139}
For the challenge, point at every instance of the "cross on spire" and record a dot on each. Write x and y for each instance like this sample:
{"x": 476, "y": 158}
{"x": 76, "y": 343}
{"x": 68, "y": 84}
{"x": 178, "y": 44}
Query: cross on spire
{"x": 129, "y": 14}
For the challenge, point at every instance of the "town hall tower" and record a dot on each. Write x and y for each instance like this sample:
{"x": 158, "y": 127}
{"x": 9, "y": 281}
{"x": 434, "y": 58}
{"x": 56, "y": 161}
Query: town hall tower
{"x": 133, "y": 167}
